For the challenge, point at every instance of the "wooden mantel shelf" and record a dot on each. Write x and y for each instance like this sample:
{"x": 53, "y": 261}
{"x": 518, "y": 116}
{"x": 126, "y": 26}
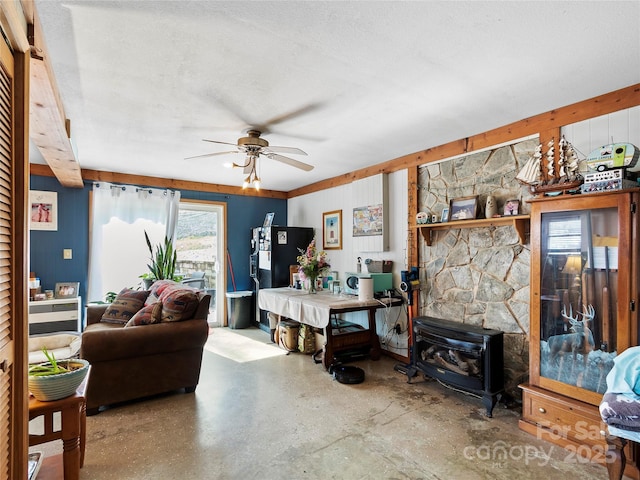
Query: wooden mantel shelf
{"x": 519, "y": 222}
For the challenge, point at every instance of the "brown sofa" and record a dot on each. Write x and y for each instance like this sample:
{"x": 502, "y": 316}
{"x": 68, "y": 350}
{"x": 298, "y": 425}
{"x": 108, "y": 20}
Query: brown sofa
{"x": 130, "y": 362}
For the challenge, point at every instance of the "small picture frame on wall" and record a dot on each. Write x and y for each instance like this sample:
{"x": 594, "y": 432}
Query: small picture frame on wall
{"x": 332, "y": 230}
{"x": 67, "y": 289}
{"x": 43, "y": 210}
{"x": 464, "y": 208}
{"x": 511, "y": 207}
{"x": 445, "y": 215}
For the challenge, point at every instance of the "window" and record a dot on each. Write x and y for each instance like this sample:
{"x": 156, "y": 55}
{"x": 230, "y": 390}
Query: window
{"x": 200, "y": 243}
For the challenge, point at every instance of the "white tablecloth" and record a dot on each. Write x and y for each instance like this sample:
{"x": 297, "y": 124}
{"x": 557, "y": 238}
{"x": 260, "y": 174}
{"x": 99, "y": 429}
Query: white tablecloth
{"x": 312, "y": 309}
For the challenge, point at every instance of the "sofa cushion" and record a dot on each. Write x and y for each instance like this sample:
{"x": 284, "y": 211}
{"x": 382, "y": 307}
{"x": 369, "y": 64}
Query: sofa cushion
{"x": 157, "y": 288}
{"x": 147, "y": 315}
{"x": 125, "y": 306}
{"x": 178, "y": 304}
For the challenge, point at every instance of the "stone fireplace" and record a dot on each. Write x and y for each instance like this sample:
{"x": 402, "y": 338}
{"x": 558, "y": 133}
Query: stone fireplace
{"x": 479, "y": 276}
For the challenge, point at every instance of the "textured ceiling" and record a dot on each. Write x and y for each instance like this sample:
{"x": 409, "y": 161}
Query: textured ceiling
{"x": 350, "y": 83}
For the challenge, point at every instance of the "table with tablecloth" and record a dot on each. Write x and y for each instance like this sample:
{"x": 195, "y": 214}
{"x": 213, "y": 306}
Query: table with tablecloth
{"x": 317, "y": 309}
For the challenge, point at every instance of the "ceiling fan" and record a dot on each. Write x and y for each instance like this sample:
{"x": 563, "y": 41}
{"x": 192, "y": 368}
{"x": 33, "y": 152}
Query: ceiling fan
{"x": 253, "y": 146}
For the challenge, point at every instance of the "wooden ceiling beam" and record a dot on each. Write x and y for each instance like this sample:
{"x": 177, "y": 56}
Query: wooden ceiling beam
{"x": 48, "y": 126}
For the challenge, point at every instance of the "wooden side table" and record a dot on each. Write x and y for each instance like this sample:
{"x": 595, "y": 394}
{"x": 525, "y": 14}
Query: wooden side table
{"x": 73, "y": 432}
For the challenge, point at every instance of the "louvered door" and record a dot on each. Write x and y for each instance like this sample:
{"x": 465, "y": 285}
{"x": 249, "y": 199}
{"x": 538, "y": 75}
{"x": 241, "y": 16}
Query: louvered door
{"x": 7, "y": 274}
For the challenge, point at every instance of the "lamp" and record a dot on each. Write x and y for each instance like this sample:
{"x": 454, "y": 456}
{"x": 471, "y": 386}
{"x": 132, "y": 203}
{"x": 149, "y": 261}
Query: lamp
{"x": 573, "y": 265}
{"x": 573, "y": 269}
{"x": 250, "y": 167}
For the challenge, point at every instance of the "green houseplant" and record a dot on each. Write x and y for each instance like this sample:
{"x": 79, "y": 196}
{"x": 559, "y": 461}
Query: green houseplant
{"x": 56, "y": 379}
{"x": 163, "y": 261}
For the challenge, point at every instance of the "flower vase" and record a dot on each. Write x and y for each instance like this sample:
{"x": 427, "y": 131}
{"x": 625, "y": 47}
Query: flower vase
{"x": 313, "y": 284}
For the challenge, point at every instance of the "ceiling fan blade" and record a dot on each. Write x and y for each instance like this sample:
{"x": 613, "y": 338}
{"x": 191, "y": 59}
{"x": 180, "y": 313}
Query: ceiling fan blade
{"x": 290, "y": 161}
{"x": 292, "y": 114}
{"x": 217, "y": 141}
{"x": 210, "y": 155}
{"x": 275, "y": 149}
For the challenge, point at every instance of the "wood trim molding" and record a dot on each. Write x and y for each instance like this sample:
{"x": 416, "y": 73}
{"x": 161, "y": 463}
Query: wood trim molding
{"x": 112, "y": 177}
{"x": 542, "y": 124}
{"x": 545, "y": 122}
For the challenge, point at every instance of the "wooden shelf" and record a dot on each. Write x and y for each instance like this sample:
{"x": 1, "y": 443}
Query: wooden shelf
{"x": 519, "y": 222}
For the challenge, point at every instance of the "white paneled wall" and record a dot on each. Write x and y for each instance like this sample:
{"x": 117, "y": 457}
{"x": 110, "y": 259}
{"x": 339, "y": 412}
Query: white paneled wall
{"x": 372, "y": 191}
{"x": 307, "y": 210}
{"x": 617, "y": 127}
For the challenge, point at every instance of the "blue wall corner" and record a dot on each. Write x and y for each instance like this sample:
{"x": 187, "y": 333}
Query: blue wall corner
{"x": 46, "y": 247}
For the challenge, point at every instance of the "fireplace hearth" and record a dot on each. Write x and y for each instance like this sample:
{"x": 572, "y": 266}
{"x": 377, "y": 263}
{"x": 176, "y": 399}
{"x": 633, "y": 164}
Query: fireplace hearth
{"x": 467, "y": 357}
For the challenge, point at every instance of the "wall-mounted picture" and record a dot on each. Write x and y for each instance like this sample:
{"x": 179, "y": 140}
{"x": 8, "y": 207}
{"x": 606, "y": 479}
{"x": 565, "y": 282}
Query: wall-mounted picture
{"x": 332, "y": 230}
{"x": 43, "y": 214}
{"x": 511, "y": 207}
{"x": 367, "y": 221}
{"x": 464, "y": 208}
{"x": 445, "y": 215}
{"x": 67, "y": 290}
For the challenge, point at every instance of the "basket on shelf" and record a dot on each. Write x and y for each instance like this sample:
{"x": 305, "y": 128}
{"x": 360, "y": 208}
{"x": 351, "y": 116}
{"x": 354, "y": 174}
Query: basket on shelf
{"x": 379, "y": 266}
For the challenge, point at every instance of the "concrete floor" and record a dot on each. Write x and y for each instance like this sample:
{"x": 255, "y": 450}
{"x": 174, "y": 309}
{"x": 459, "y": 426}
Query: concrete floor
{"x": 261, "y": 414}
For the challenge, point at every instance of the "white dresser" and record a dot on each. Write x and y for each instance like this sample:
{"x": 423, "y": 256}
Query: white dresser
{"x": 57, "y": 315}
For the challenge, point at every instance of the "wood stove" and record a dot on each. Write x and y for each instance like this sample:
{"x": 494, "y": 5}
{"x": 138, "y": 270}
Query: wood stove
{"x": 467, "y": 357}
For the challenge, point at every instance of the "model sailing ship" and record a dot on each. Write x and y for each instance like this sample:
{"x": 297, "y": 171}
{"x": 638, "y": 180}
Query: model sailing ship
{"x": 546, "y": 174}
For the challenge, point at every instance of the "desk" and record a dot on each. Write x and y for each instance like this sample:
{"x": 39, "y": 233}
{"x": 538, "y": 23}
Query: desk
{"x": 73, "y": 432}
{"x": 316, "y": 310}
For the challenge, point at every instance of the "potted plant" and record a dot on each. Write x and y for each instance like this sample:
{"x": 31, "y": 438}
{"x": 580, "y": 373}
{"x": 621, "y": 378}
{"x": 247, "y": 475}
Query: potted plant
{"x": 56, "y": 379}
{"x": 163, "y": 262}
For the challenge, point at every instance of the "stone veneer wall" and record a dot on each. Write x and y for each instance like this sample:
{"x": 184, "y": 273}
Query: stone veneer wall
{"x": 479, "y": 276}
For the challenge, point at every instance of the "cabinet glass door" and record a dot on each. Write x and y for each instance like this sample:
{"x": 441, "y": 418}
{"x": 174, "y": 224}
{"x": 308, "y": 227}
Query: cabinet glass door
{"x": 578, "y": 296}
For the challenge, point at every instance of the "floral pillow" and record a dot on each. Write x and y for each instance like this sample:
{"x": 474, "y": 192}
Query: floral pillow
{"x": 126, "y": 305}
{"x": 147, "y": 315}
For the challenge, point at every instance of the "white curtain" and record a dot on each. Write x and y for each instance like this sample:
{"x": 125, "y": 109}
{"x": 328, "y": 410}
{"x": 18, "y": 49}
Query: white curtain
{"x": 118, "y": 252}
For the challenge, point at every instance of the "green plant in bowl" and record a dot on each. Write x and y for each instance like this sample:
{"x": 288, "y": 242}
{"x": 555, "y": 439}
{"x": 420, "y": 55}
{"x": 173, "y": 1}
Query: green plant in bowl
{"x": 56, "y": 379}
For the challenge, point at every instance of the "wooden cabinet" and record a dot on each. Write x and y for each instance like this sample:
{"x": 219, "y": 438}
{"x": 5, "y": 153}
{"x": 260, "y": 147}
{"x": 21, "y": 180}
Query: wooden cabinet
{"x": 57, "y": 315}
{"x": 584, "y": 311}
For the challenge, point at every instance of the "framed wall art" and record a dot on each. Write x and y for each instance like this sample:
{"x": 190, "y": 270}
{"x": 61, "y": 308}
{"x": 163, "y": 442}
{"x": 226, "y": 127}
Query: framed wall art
{"x": 464, "y": 208}
{"x": 43, "y": 210}
{"x": 367, "y": 221}
{"x": 445, "y": 215}
{"x": 67, "y": 290}
{"x": 332, "y": 230}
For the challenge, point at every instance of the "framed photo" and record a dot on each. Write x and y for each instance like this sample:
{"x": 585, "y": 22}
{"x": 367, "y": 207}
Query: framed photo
{"x": 67, "y": 290}
{"x": 332, "y": 230}
{"x": 445, "y": 215}
{"x": 43, "y": 210}
{"x": 464, "y": 208}
{"x": 511, "y": 207}
{"x": 268, "y": 219}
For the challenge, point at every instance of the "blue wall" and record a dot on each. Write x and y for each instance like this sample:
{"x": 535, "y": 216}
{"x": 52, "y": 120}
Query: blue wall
{"x": 243, "y": 213}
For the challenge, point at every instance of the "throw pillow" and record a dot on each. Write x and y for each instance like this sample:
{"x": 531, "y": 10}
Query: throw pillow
{"x": 179, "y": 304}
{"x": 125, "y": 306}
{"x": 158, "y": 287}
{"x": 147, "y": 315}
